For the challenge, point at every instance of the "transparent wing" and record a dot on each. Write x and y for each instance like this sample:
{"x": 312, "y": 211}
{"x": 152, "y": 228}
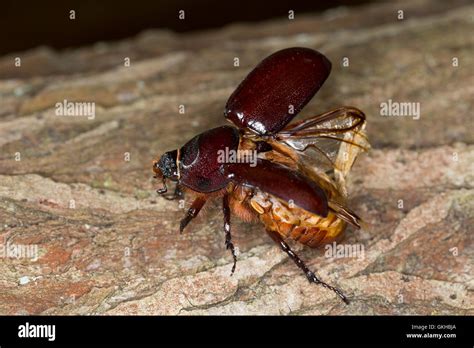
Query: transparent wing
{"x": 328, "y": 143}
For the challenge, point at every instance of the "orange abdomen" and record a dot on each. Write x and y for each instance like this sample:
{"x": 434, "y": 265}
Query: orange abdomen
{"x": 295, "y": 223}
{"x": 311, "y": 234}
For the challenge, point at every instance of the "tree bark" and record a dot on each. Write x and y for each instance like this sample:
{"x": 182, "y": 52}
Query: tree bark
{"x": 81, "y": 190}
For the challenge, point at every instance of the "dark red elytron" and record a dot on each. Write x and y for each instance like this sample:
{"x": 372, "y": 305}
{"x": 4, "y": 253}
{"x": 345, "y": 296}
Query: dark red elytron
{"x": 289, "y": 176}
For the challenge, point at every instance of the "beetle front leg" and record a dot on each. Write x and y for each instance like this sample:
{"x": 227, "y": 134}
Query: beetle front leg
{"x": 177, "y": 194}
{"x": 192, "y": 212}
{"x": 300, "y": 263}
{"x": 228, "y": 236}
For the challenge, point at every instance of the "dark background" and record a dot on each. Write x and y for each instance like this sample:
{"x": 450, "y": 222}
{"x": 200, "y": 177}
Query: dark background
{"x": 28, "y": 24}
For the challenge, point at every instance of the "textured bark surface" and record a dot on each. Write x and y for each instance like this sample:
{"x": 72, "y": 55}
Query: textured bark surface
{"x": 107, "y": 244}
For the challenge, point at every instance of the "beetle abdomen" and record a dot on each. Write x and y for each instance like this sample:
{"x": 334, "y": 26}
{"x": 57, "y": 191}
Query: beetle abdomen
{"x": 295, "y": 223}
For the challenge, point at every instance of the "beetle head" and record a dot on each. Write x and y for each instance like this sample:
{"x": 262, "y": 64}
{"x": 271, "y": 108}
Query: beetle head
{"x": 167, "y": 168}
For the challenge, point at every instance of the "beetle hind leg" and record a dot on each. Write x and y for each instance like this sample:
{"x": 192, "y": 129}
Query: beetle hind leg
{"x": 228, "y": 236}
{"x": 300, "y": 263}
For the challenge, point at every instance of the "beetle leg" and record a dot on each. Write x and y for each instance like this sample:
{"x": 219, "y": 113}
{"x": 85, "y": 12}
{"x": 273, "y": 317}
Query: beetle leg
{"x": 164, "y": 189}
{"x": 192, "y": 212}
{"x": 177, "y": 194}
{"x": 228, "y": 236}
{"x": 300, "y": 263}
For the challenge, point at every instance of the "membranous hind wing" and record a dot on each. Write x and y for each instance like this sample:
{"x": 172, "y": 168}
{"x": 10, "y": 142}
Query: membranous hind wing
{"x": 275, "y": 91}
{"x": 328, "y": 143}
{"x": 324, "y": 148}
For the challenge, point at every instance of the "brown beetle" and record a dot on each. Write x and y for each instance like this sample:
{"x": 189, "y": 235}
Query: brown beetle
{"x": 296, "y": 185}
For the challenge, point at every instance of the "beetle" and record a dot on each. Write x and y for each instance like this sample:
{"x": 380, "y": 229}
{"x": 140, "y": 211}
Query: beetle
{"x": 297, "y": 185}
